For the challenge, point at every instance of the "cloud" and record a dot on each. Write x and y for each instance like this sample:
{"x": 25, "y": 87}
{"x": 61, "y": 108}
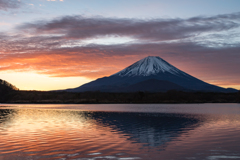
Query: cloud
{"x": 9, "y": 4}
{"x": 4, "y": 24}
{"x": 55, "y": 47}
{"x": 94, "y": 61}
{"x": 79, "y": 27}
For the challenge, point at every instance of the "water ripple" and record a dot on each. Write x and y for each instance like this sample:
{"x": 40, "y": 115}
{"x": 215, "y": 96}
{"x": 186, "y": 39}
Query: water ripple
{"x": 73, "y": 135}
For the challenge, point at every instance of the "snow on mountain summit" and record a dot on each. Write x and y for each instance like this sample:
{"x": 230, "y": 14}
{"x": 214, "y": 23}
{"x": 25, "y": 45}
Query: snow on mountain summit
{"x": 150, "y": 65}
{"x": 151, "y": 74}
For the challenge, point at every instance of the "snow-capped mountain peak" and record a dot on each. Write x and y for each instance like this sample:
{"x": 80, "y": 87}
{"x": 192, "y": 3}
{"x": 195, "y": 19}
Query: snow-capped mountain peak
{"x": 151, "y": 74}
{"x": 150, "y": 65}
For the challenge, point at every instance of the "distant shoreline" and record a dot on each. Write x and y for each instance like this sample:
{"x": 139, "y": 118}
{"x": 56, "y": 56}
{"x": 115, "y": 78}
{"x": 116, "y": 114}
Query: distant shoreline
{"x": 170, "y": 97}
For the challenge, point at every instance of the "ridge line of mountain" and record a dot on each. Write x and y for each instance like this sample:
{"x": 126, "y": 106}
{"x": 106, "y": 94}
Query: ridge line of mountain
{"x": 135, "y": 78}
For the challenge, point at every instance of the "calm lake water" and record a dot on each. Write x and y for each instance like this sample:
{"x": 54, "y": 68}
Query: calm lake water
{"x": 120, "y": 131}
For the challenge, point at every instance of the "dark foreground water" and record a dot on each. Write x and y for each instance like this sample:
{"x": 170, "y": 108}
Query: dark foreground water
{"x": 124, "y": 132}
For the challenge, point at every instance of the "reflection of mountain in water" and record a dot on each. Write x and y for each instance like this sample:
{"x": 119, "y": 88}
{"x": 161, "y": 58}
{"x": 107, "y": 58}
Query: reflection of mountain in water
{"x": 153, "y": 129}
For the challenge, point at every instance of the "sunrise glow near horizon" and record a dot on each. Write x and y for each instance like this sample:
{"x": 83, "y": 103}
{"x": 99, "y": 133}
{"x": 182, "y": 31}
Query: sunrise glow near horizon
{"x": 60, "y": 44}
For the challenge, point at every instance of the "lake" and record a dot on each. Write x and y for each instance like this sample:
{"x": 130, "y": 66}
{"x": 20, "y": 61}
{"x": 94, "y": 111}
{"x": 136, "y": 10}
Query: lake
{"x": 120, "y": 131}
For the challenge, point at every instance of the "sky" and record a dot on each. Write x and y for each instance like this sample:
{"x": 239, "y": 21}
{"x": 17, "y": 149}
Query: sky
{"x": 59, "y": 44}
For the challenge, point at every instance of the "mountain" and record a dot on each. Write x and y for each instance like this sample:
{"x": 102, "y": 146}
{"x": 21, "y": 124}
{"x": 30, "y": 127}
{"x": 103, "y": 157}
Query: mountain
{"x": 152, "y": 85}
{"x": 151, "y": 74}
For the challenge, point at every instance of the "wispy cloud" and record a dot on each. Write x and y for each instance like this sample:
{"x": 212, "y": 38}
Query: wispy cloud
{"x": 9, "y": 4}
{"x": 79, "y": 27}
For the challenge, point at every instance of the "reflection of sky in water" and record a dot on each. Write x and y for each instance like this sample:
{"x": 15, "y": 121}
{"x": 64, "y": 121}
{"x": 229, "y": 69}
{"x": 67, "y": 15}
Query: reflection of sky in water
{"x": 58, "y": 134}
{"x": 75, "y": 134}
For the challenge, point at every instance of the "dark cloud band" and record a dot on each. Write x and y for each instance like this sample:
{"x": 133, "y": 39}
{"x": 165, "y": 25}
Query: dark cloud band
{"x": 78, "y": 27}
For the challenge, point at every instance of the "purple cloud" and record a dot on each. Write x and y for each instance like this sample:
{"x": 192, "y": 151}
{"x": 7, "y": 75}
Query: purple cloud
{"x": 9, "y": 4}
{"x": 79, "y": 27}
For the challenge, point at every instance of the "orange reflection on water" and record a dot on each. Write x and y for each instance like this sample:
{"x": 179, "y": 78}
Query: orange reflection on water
{"x": 58, "y": 134}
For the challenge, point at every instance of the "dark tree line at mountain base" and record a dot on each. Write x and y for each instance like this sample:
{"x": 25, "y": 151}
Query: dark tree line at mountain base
{"x": 6, "y": 89}
{"x": 10, "y": 94}
{"x": 15, "y": 96}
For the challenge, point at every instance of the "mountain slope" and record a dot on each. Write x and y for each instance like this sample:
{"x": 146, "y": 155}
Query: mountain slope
{"x": 152, "y": 85}
{"x": 146, "y": 69}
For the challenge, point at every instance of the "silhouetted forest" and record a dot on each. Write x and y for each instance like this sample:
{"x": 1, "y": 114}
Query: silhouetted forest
{"x": 11, "y": 94}
{"x": 6, "y": 89}
{"x": 15, "y": 96}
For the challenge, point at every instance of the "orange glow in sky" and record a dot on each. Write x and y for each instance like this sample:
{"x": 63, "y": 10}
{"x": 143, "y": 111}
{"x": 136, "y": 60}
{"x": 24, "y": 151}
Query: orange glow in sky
{"x": 34, "y": 81}
{"x": 69, "y": 46}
